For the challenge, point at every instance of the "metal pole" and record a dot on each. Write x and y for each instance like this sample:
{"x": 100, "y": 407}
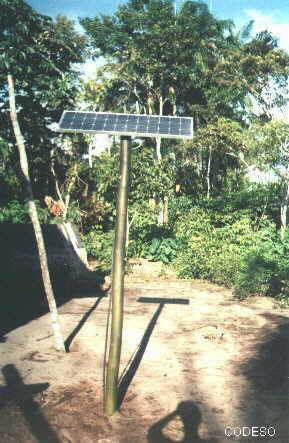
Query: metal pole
{"x": 118, "y": 264}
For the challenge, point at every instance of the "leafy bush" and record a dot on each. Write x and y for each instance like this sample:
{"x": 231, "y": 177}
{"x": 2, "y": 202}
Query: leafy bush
{"x": 210, "y": 252}
{"x": 143, "y": 229}
{"x": 265, "y": 270}
{"x": 99, "y": 246}
{"x": 146, "y": 239}
{"x": 16, "y": 212}
{"x": 253, "y": 261}
{"x": 163, "y": 249}
{"x": 257, "y": 202}
{"x": 73, "y": 214}
{"x": 213, "y": 253}
{"x": 236, "y": 251}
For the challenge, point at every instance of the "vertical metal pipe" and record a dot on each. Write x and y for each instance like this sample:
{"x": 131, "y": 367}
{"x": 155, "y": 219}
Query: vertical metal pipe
{"x": 118, "y": 264}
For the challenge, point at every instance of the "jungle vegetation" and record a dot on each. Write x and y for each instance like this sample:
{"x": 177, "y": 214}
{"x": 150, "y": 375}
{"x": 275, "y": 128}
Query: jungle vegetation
{"x": 213, "y": 208}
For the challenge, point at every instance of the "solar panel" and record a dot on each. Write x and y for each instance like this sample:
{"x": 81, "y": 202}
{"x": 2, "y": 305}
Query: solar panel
{"x": 126, "y": 124}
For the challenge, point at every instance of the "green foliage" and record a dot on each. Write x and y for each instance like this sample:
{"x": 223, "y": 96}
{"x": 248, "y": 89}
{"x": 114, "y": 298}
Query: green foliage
{"x": 143, "y": 221}
{"x": 146, "y": 239}
{"x": 99, "y": 246}
{"x": 265, "y": 270}
{"x": 211, "y": 252}
{"x": 221, "y": 227}
{"x": 203, "y": 245}
{"x": 41, "y": 54}
{"x": 236, "y": 254}
{"x": 98, "y": 190}
{"x": 16, "y": 212}
{"x": 143, "y": 228}
{"x": 151, "y": 177}
{"x": 32, "y": 39}
{"x": 271, "y": 146}
{"x": 74, "y": 214}
{"x": 182, "y": 62}
{"x": 222, "y": 145}
{"x": 259, "y": 202}
{"x": 163, "y": 249}
{"x": 102, "y": 177}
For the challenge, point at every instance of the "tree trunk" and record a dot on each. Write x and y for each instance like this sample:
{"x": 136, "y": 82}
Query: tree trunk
{"x": 66, "y": 201}
{"x": 55, "y": 179}
{"x": 284, "y": 210}
{"x": 127, "y": 231}
{"x": 69, "y": 190}
{"x": 158, "y": 148}
{"x": 166, "y": 211}
{"x": 137, "y": 107}
{"x": 111, "y": 394}
{"x": 152, "y": 203}
{"x": 158, "y": 139}
{"x": 34, "y": 219}
{"x": 208, "y": 173}
{"x": 174, "y": 110}
{"x": 238, "y": 178}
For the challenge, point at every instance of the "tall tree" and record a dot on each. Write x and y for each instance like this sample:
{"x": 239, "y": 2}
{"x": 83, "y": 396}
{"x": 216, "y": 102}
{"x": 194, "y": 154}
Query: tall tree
{"x": 36, "y": 57}
{"x": 271, "y": 146}
{"x": 159, "y": 61}
{"x": 40, "y": 54}
{"x": 188, "y": 62}
{"x": 157, "y": 56}
{"x": 224, "y": 148}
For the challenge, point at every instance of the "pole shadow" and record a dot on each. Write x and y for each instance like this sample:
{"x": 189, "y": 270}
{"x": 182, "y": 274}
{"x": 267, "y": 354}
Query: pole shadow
{"x": 191, "y": 418}
{"x": 137, "y": 356}
{"x": 78, "y": 327}
{"x": 22, "y": 395}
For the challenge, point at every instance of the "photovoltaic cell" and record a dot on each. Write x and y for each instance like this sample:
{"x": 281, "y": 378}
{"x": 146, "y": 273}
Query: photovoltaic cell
{"x": 126, "y": 124}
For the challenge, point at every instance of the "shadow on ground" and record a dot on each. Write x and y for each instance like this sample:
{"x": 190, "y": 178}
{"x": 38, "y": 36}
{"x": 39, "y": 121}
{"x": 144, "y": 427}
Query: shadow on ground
{"x": 266, "y": 399}
{"x": 257, "y": 380}
{"x": 81, "y": 323}
{"x": 22, "y": 303}
{"x": 22, "y": 293}
{"x": 137, "y": 356}
{"x": 21, "y": 396}
{"x": 191, "y": 418}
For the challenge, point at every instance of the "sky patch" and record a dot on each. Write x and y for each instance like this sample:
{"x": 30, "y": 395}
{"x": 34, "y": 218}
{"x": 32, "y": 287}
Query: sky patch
{"x": 272, "y": 23}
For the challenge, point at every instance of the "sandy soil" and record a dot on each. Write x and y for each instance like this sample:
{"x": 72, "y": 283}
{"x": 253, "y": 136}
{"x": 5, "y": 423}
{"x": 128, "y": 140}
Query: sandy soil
{"x": 196, "y": 361}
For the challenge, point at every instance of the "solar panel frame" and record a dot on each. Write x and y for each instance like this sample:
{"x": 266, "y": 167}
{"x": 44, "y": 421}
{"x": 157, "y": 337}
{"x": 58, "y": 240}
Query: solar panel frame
{"x": 145, "y": 122}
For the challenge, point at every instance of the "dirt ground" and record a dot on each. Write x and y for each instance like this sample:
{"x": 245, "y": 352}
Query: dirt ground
{"x": 195, "y": 361}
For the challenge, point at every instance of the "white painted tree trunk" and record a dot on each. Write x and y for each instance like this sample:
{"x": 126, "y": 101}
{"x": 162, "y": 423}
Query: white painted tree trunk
{"x": 166, "y": 210}
{"x": 158, "y": 139}
{"x": 208, "y": 173}
{"x": 284, "y": 210}
{"x": 32, "y": 210}
{"x": 158, "y": 148}
{"x": 69, "y": 190}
